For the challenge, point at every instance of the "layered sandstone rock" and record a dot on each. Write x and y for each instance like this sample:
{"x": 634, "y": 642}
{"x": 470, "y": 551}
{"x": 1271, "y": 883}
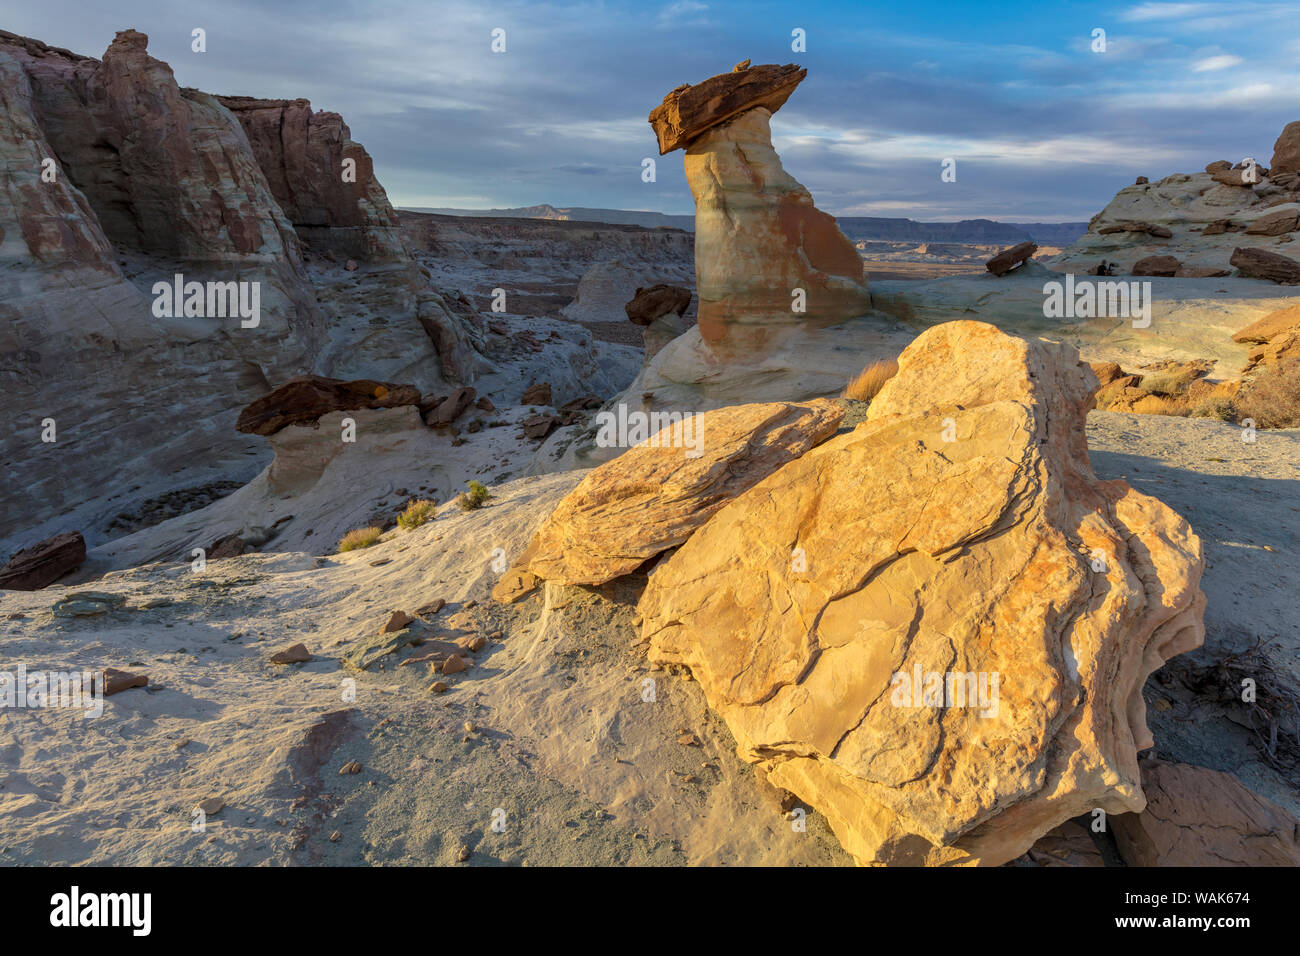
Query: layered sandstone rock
{"x": 766, "y": 259}
{"x": 688, "y": 111}
{"x": 1008, "y": 259}
{"x": 1200, "y": 817}
{"x": 656, "y": 494}
{"x": 304, "y": 400}
{"x": 1262, "y": 264}
{"x": 44, "y": 562}
{"x": 935, "y": 629}
{"x": 323, "y": 180}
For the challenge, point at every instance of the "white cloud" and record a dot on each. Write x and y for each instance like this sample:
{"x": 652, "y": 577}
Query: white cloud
{"x": 1221, "y": 62}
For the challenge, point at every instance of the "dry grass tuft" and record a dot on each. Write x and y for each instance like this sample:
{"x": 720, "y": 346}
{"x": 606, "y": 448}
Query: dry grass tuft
{"x": 417, "y": 513}
{"x": 871, "y": 380}
{"x": 1272, "y": 400}
{"x": 360, "y": 538}
{"x": 474, "y": 498}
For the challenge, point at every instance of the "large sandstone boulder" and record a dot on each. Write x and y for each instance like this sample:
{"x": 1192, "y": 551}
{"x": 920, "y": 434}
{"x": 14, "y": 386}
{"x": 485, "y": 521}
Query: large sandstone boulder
{"x": 766, "y": 259}
{"x": 935, "y": 629}
{"x": 1200, "y": 817}
{"x": 1262, "y": 264}
{"x": 654, "y": 495}
{"x": 1286, "y": 151}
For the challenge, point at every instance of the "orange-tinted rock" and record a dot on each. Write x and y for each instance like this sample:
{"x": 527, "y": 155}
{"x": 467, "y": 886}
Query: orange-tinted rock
{"x": 959, "y": 533}
{"x": 308, "y": 397}
{"x": 114, "y": 681}
{"x": 293, "y": 654}
{"x": 689, "y": 111}
{"x": 537, "y": 394}
{"x": 451, "y": 407}
{"x": 1008, "y": 259}
{"x": 397, "y": 621}
{"x": 654, "y": 495}
{"x": 44, "y": 562}
{"x": 1275, "y": 323}
{"x": 1200, "y": 817}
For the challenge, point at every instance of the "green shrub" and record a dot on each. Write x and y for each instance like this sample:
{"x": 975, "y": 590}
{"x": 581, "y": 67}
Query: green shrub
{"x": 417, "y": 513}
{"x": 474, "y": 498}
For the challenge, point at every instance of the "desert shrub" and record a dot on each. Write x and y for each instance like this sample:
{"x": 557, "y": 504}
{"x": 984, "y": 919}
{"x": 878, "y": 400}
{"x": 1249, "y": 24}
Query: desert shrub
{"x": 417, "y": 513}
{"x": 871, "y": 380}
{"x": 360, "y": 538}
{"x": 1272, "y": 400}
{"x": 474, "y": 498}
{"x": 1168, "y": 383}
{"x": 1157, "y": 404}
{"x": 1215, "y": 407}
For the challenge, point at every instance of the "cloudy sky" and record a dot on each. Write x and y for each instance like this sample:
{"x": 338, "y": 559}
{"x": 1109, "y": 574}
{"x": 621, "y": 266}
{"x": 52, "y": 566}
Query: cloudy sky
{"x": 1043, "y": 127}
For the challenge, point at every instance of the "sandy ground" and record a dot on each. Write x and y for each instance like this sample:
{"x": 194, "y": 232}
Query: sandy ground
{"x": 563, "y": 749}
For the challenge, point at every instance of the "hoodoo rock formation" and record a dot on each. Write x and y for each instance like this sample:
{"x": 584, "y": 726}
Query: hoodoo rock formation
{"x": 766, "y": 259}
{"x": 935, "y": 629}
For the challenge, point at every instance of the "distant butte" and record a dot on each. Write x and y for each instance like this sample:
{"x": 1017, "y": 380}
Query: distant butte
{"x": 689, "y": 111}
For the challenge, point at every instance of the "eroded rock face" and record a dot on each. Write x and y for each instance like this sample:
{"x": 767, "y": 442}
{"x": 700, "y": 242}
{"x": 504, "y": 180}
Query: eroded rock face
{"x": 1286, "y": 151}
{"x": 307, "y": 398}
{"x": 653, "y": 496}
{"x": 1200, "y": 817}
{"x": 43, "y": 563}
{"x": 656, "y": 301}
{"x": 688, "y": 111}
{"x": 809, "y": 606}
{"x": 303, "y": 155}
{"x": 766, "y": 259}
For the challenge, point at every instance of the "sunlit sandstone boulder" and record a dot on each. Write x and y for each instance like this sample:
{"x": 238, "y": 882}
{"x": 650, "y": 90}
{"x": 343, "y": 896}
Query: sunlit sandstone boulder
{"x": 935, "y": 629}
{"x": 653, "y": 496}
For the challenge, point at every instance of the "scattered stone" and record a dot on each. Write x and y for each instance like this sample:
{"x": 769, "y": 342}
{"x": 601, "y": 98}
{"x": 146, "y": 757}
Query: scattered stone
{"x": 514, "y": 584}
{"x": 453, "y": 665}
{"x": 1008, "y": 259}
{"x": 87, "y": 604}
{"x": 537, "y": 394}
{"x": 370, "y": 650}
{"x": 293, "y": 654}
{"x": 350, "y": 767}
{"x": 212, "y": 805}
{"x": 1157, "y": 266}
{"x": 485, "y": 404}
{"x": 476, "y": 643}
{"x": 470, "y": 727}
{"x": 540, "y": 425}
{"x": 462, "y": 854}
{"x": 438, "y": 687}
{"x": 399, "y": 621}
{"x": 430, "y": 609}
{"x": 687, "y": 739}
{"x": 44, "y": 562}
{"x": 1274, "y": 223}
{"x": 451, "y": 407}
{"x": 336, "y": 836}
{"x": 1262, "y": 264}
{"x": 115, "y": 681}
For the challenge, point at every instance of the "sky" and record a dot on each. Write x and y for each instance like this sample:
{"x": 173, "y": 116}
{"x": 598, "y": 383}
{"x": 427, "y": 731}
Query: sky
{"x": 1043, "y": 126}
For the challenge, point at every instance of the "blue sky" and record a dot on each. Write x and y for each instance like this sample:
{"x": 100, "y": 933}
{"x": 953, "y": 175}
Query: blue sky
{"x": 1042, "y": 127}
